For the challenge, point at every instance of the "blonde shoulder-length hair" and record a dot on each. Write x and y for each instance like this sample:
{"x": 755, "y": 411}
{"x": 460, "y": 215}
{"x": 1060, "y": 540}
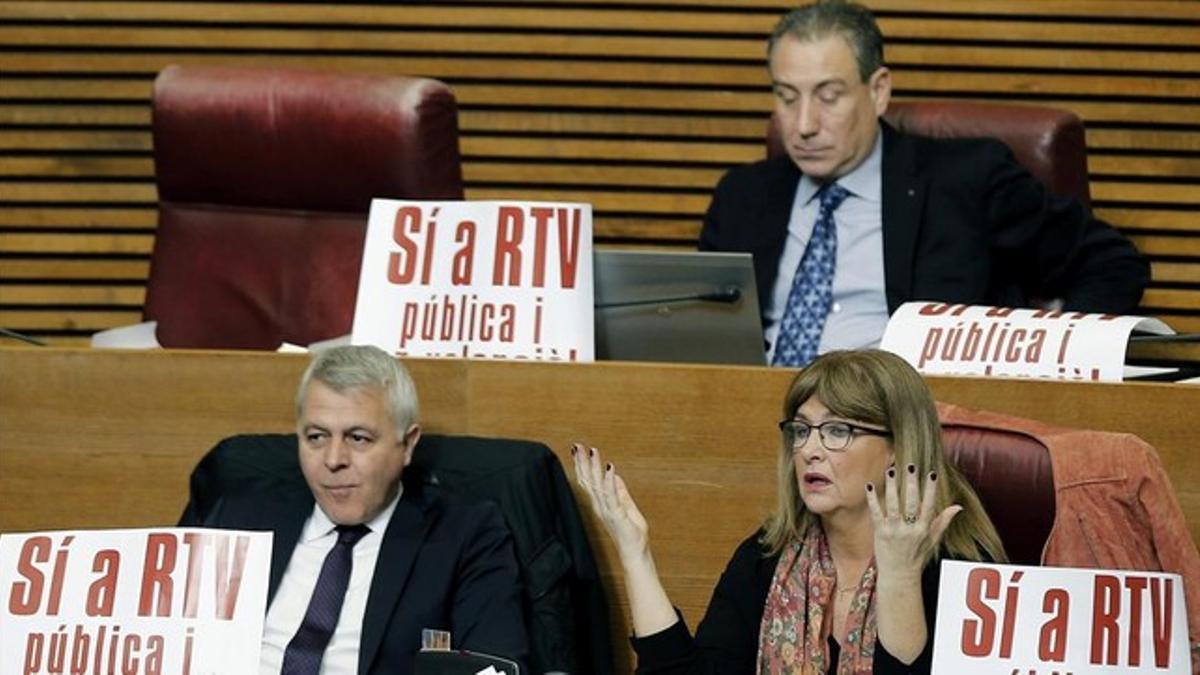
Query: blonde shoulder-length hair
{"x": 881, "y": 389}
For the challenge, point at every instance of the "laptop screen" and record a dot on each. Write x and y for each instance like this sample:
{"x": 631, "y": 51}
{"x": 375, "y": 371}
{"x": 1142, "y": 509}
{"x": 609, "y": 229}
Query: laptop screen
{"x": 694, "y": 307}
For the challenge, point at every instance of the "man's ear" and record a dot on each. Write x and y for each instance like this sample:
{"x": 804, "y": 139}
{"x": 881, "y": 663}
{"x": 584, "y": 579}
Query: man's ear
{"x": 411, "y": 436}
{"x": 880, "y": 87}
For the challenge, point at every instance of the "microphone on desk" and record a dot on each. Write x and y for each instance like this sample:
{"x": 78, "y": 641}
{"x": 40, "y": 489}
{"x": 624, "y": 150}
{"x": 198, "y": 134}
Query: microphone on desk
{"x": 727, "y": 295}
{"x": 4, "y": 332}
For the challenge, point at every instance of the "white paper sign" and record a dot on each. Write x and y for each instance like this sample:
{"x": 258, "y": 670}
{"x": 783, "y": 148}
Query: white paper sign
{"x": 504, "y": 280}
{"x": 177, "y": 601}
{"x": 945, "y": 339}
{"x": 1005, "y": 619}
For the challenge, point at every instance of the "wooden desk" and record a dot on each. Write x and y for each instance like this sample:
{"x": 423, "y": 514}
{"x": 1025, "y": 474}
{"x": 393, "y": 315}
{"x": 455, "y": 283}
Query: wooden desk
{"x": 108, "y": 438}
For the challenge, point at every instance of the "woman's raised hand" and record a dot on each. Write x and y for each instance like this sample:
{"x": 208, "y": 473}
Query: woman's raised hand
{"x": 904, "y": 534}
{"x": 649, "y": 607}
{"x": 611, "y": 502}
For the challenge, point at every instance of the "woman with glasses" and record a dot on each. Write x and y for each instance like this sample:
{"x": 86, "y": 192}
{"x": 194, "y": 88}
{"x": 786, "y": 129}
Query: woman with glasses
{"x": 842, "y": 577}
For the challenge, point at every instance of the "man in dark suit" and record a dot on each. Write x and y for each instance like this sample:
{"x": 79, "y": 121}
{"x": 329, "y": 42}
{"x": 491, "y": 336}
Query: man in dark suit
{"x": 365, "y": 562}
{"x": 920, "y": 219}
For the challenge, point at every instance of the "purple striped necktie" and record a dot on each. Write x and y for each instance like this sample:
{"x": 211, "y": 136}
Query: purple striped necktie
{"x": 304, "y": 653}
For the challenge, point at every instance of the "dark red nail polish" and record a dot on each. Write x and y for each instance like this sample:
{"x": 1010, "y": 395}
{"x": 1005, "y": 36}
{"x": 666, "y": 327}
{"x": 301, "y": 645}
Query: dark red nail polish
{"x": 608, "y": 467}
{"x": 870, "y": 487}
{"x": 912, "y": 468}
{"x": 592, "y": 452}
{"x": 891, "y": 473}
{"x": 932, "y": 475}
{"x": 573, "y": 449}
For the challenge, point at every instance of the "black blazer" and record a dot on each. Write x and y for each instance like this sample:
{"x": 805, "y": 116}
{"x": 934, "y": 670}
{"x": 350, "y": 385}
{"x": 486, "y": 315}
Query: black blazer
{"x": 443, "y": 564}
{"x": 726, "y": 642}
{"x": 963, "y": 222}
{"x": 560, "y": 580}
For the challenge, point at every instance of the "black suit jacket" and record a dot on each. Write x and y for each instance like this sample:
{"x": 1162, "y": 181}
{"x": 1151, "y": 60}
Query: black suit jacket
{"x": 726, "y": 642}
{"x": 963, "y": 222}
{"x": 442, "y": 564}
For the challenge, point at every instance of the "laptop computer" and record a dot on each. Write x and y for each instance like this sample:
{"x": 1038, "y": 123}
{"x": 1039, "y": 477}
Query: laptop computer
{"x": 693, "y": 307}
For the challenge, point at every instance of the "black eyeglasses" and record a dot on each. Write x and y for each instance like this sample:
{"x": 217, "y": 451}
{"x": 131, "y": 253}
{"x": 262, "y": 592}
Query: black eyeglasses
{"x": 834, "y": 435}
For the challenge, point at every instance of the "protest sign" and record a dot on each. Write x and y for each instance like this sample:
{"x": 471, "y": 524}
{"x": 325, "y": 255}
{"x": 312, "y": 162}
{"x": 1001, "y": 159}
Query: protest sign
{"x": 1006, "y": 619}
{"x": 180, "y": 601}
{"x": 946, "y": 339}
{"x": 504, "y": 280}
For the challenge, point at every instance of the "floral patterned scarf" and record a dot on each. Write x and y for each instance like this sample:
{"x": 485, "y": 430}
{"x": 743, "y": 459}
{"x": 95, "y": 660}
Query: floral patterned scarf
{"x": 792, "y": 639}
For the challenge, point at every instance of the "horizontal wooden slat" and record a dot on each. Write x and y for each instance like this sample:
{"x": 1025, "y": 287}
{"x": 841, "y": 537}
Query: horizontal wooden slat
{"x": 1176, "y": 272}
{"x": 649, "y": 72}
{"x": 565, "y": 97}
{"x": 1144, "y": 9}
{"x": 749, "y": 126}
{"x": 584, "y": 19}
{"x": 1172, "y": 298}
{"x": 122, "y": 244}
{"x": 25, "y": 320}
{"x": 606, "y": 201}
{"x": 1148, "y": 166}
{"x": 550, "y": 174}
{"x": 84, "y": 269}
{"x": 60, "y": 294}
{"x": 129, "y": 114}
{"x": 724, "y": 153}
{"x": 78, "y": 192}
{"x": 1143, "y": 139}
{"x": 1151, "y": 193}
{"x": 509, "y": 45}
{"x": 1167, "y": 246}
{"x": 78, "y": 217}
{"x": 1151, "y": 219}
{"x": 572, "y": 148}
{"x": 75, "y": 140}
{"x": 84, "y": 166}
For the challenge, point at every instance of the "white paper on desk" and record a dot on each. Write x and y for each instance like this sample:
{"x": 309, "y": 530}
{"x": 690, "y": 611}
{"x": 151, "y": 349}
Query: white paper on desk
{"x": 135, "y": 336}
{"x": 947, "y": 339}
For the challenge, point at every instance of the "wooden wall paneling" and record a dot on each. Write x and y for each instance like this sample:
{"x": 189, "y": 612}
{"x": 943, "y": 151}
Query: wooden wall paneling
{"x": 637, "y": 108}
{"x": 103, "y": 438}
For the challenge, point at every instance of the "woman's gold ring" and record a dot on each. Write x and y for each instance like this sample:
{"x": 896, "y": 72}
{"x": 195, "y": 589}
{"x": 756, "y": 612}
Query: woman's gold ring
{"x": 910, "y": 519}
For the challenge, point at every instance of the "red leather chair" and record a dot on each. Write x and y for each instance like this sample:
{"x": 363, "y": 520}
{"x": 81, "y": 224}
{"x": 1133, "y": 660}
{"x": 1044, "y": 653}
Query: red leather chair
{"x": 265, "y": 177}
{"x": 1012, "y": 474}
{"x": 1050, "y": 143}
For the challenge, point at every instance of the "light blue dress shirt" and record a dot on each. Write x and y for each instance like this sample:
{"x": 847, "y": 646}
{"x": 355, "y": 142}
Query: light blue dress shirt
{"x": 859, "y": 312}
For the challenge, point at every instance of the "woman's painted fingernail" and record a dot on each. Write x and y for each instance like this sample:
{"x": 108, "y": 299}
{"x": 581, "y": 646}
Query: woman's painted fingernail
{"x": 912, "y": 468}
{"x": 608, "y": 467}
{"x": 573, "y": 449}
{"x": 891, "y": 473}
{"x": 592, "y": 452}
{"x": 932, "y": 475}
{"x": 870, "y": 487}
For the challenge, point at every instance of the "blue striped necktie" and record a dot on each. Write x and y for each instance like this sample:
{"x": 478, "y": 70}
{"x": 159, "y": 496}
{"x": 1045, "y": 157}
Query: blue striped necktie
{"x": 304, "y": 653}
{"x": 812, "y": 287}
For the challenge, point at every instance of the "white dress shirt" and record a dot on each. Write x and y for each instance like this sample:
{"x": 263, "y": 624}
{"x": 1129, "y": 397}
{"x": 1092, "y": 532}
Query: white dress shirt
{"x": 300, "y": 579}
{"x": 859, "y": 313}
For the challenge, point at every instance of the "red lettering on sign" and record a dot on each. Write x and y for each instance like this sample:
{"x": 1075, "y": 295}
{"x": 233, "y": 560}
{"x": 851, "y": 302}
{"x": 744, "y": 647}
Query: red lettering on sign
{"x": 978, "y": 636}
{"x": 25, "y": 597}
{"x": 157, "y": 585}
{"x": 510, "y": 229}
{"x": 1106, "y": 607}
{"x": 1052, "y": 639}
